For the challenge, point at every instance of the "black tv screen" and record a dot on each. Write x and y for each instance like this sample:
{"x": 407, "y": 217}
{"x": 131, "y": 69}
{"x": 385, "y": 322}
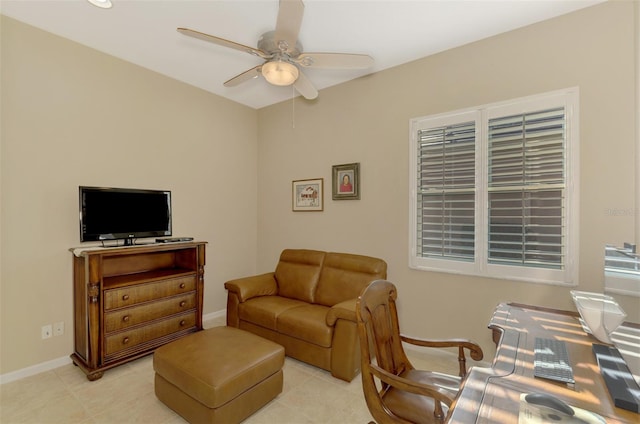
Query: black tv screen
{"x": 123, "y": 213}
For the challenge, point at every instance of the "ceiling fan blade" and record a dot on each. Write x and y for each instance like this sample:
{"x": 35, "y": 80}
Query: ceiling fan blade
{"x": 243, "y": 77}
{"x": 222, "y": 42}
{"x": 288, "y": 23}
{"x": 304, "y": 87}
{"x": 334, "y": 60}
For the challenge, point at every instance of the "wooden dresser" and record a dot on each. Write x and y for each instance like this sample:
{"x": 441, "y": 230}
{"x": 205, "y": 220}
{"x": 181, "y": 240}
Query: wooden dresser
{"x": 130, "y": 300}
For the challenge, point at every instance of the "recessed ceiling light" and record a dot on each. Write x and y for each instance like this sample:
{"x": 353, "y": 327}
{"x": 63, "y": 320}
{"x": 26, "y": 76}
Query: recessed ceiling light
{"x": 104, "y": 4}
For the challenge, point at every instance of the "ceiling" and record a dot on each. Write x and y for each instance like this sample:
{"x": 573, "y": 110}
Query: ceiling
{"x": 393, "y": 32}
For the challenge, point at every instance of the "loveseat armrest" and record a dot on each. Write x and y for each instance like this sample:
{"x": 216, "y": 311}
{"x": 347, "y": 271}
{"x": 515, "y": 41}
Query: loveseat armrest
{"x": 343, "y": 310}
{"x": 257, "y": 285}
{"x": 345, "y": 347}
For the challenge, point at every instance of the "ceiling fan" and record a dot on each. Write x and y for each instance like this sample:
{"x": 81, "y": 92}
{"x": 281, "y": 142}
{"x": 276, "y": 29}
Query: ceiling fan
{"x": 283, "y": 55}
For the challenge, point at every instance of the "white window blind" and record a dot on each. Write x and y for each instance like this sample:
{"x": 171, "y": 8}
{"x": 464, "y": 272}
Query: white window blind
{"x": 446, "y": 201}
{"x": 494, "y": 190}
{"x": 526, "y": 182}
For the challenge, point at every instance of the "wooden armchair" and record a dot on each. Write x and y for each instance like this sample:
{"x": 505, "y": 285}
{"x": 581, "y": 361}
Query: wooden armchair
{"x": 402, "y": 394}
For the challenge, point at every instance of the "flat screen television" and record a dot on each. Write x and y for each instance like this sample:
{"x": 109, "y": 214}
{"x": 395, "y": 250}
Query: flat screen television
{"x": 108, "y": 213}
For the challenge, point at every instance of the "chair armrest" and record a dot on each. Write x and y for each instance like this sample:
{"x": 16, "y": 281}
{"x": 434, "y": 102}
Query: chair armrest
{"x": 475, "y": 351}
{"x": 343, "y": 310}
{"x": 412, "y": 386}
{"x": 254, "y": 286}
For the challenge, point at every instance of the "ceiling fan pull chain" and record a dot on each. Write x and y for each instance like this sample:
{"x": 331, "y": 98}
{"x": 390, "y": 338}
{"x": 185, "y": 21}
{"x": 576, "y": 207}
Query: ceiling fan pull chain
{"x": 293, "y": 107}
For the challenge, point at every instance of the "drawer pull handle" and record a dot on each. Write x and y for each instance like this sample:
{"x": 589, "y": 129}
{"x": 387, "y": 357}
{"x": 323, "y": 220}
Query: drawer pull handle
{"x": 125, "y": 318}
{"x": 182, "y": 323}
{"x": 182, "y": 303}
{"x": 125, "y": 297}
{"x": 182, "y": 285}
{"x": 125, "y": 340}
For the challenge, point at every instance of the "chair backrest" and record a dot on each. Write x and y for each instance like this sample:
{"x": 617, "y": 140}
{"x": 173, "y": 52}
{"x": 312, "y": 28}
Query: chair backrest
{"x": 380, "y": 341}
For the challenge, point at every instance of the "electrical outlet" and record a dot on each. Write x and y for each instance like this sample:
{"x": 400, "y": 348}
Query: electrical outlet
{"x": 58, "y": 328}
{"x": 46, "y": 331}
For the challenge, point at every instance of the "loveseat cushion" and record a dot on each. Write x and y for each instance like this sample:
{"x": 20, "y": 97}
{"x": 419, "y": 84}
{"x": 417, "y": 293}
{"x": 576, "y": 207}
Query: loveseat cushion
{"x": 297, "y": 273}
{"x": 306, "y": 323}
{"x": 264, "y": 310}
{"x": 344, "y": 276}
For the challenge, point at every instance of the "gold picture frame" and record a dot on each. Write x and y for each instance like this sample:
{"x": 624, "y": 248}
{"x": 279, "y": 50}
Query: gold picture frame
{"x": 308, "y": 195}
{"x": 346, "y": 182}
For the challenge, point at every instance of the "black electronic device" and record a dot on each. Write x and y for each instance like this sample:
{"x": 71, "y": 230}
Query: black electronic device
{"x": 108, "y": 213}
{"x": 174, "y": 239}
{"x": 622, "y": 387}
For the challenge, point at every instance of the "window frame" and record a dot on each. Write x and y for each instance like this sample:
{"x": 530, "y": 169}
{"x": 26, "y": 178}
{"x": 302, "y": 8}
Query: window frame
{"x": 480, "y": 266}
{"x": 622, "y": 270}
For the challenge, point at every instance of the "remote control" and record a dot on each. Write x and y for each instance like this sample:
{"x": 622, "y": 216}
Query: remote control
{"x": 174, "y": 239}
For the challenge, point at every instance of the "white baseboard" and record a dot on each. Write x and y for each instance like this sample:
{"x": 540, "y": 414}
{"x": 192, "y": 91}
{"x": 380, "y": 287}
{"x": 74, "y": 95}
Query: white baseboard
{"x": 214, "y": 315}
{"x": 56, "y": 363}
{"x": 34, "y": 369}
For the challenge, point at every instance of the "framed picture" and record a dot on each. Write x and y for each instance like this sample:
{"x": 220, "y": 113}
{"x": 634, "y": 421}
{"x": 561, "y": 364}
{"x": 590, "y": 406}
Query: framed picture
{"x": 307, "y": 195}
{"x": 346, "y": 182}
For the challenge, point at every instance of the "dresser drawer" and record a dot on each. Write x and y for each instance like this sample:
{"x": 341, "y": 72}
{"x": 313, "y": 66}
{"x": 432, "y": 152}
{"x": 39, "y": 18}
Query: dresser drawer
{"x": 128, "y": 317}
{"x": 127, "y": 296}
{"x": 129, "y": 339}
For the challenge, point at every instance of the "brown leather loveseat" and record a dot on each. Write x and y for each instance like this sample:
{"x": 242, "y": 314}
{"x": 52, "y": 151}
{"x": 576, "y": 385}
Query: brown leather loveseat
{"x": 308, "y": 306}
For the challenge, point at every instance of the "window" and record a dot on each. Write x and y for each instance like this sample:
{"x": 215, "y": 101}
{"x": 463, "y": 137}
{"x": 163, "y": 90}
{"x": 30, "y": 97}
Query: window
{"x": 622, "y": 270}
{"x": 493, "y": 190}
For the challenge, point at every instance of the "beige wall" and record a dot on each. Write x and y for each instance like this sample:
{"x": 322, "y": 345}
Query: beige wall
{"x": 367, "y": 121}
{"x": 70, "y": 114}
{"x": 73, "y": 116}
{"x": 636, "y": 37}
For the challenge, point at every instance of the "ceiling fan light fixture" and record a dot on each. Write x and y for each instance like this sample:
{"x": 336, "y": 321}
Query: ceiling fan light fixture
{"x": 278, "y": 72}
{"x": 103, "y": 4}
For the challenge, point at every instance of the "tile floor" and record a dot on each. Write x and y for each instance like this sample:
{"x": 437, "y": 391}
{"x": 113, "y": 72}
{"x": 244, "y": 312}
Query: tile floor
{"x": 125, "y": 395}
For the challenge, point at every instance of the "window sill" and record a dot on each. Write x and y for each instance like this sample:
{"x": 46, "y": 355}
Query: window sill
{"x": 501, "y": 273}
{"x": 620, "y": 283}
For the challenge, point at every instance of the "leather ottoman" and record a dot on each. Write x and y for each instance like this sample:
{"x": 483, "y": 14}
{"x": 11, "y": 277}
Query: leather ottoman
{"x": 219, "y": 375}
